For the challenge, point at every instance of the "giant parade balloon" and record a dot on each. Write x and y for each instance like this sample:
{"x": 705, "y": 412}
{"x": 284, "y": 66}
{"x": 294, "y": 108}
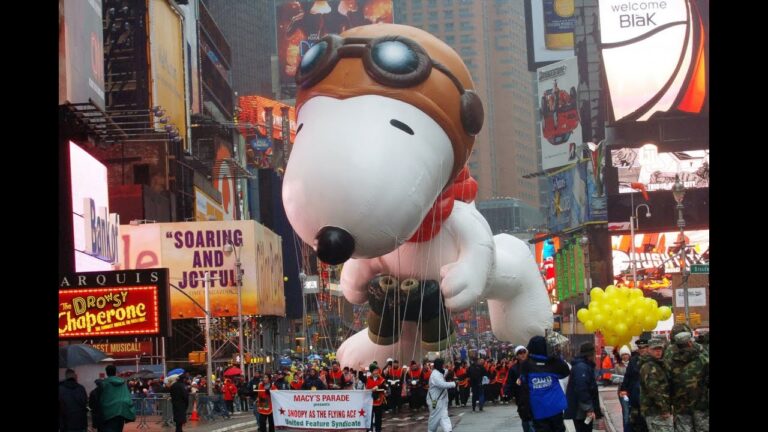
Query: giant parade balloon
{"x": 387, "y": 117}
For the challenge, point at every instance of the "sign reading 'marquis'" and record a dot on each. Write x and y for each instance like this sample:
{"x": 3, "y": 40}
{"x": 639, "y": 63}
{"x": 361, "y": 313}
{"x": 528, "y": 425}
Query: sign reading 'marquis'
{"x": 114, "y": 303}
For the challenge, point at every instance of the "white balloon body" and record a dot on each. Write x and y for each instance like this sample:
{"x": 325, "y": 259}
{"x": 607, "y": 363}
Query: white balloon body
{"x": 351, "y": 168}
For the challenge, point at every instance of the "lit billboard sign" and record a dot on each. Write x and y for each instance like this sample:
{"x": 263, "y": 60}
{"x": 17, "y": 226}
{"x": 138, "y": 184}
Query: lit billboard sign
{"x": 550, "y": 25}
{"x": 124, "y": 303}
{"x": 657, "y": 254}
{"x": 657, "y": 171}
{"x": 654, "y": 56}
{"x": 92, "y": 224}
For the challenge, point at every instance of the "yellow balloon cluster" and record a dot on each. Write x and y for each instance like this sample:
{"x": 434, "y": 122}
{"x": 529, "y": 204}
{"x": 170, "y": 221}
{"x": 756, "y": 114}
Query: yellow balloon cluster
{"x": 620, "y": 313}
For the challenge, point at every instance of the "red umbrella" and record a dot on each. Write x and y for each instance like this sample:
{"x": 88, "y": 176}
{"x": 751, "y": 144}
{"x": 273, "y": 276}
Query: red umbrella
{"x": 233, "y": 371}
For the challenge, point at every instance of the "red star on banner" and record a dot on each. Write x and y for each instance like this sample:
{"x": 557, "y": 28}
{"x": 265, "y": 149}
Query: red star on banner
{"x": 282, "y": 411}
{"x": 362, "y": 412}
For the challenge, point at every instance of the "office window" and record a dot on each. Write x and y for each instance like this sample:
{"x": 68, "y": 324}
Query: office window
{"x": 433, "y": 28}
{"x": 450, "y": 39}
{"x": 448, "y": 14}
{"x": 449, "y": 26}
{"x": 466, "y": 26}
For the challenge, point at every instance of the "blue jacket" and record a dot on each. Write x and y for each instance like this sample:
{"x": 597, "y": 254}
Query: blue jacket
{"x": 541, "y": 377}
{"x": 582, "y": 393}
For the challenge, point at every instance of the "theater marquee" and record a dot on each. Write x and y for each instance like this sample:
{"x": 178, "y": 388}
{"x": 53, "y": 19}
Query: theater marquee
{"x": 113, "y": 304}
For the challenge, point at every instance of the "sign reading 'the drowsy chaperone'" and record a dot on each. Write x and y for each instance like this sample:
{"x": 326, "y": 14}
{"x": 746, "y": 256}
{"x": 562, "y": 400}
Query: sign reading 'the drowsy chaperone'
{"x": 322, "y": 410}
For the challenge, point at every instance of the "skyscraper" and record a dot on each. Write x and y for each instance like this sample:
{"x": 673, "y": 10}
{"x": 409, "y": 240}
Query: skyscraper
{"x": 490, "y": 37}
{"x": 249, "y": 26}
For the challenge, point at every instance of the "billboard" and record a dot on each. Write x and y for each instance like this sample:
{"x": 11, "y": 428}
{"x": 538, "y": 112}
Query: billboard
{"x": 190, "y": 249}
{"x": 224, "y": 183}
{"x": 545, "y": 257}
{"x": 558, "y": 106}
{"x": 657, "y": 170}
{"x": 94, "y": 228}
{"x": 549, "y": 30}
{"x": 167, "y": 64}
{"x": 206, "y": 208}
{"x": 253, "y": 123}
{"x": 657, "y": 255}
{"x": 114, "y": 303}
{"x": 596, "y": 197}
{"x": 82, "y": 59}
{"x": 300, "y": 24}
{"x": 567, "y": 206}
{"x": 654, "y": 56}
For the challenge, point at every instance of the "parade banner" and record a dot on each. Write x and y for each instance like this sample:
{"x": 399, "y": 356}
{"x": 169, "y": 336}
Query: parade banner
{"x": 322, "y": 410}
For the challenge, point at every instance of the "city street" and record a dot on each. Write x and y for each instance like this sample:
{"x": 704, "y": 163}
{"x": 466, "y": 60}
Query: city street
{"x": 493, "y": 418}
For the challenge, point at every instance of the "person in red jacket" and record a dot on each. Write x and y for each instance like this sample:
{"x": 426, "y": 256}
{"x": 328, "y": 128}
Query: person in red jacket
{"x": 378, "y": 384}
{"x": 264, "y": 403}
{"x": 335, "y": 379}
{"x": 229, "y": 390}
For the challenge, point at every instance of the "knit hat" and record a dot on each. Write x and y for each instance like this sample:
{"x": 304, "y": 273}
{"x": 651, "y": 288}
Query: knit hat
{"x": 682, "y": 338}
{"x": 586, "y": 349}
{"x": 373, "y": 367}
{"x": 625, "y": 350}
{"x": 538, "y": 345}
{"x": 519, "y": 348}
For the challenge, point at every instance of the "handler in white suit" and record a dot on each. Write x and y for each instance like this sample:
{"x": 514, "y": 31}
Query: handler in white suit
{"x": 437, "y": 399}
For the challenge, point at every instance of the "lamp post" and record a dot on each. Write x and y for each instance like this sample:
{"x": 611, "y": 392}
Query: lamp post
{"x": 228, "y": 249}
{"x": 209, "y": 355}
{"x": 633, "y": 225}
{"x": 678, "y": 191}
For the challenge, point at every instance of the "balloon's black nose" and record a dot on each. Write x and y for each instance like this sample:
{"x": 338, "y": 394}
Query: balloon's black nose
{"x": 334, "y": 245}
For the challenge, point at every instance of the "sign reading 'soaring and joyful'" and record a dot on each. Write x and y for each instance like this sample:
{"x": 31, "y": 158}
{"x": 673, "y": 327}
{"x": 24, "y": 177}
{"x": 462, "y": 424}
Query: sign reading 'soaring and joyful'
{"x": 118, "y": 303}
{"x": 322, "y": 410}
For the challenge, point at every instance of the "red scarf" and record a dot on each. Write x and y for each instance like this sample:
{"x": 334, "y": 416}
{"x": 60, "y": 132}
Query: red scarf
{"x": 464, "y": 188}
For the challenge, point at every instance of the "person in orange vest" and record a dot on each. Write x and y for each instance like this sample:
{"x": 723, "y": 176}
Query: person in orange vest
{"x": 264, "y": 404}
{"x": 229, "y": 390}
{"x": 607, "y": 366}
{"x": 501, "y": 379}
{"x": 379, "y": 385}
{"x": 463, "y": 384}
{"x": 297, "y": 382}
{"x": 416, "y": 394}
{"x": 394, "y": 377}
{"x": 335, "y": 378}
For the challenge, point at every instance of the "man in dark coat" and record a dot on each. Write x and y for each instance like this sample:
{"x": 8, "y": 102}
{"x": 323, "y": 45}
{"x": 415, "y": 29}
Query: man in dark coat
{"x": 541, "y": 375}
{"x": 179, "y": 401}
{"x": 312, "y": 381}
{"x": 581, "y": 394}
{"x": 630, "y": 387}
{"x": 73, "y": 404}
{"x": 476, "y": 373}
{"x": 513, "y": 388}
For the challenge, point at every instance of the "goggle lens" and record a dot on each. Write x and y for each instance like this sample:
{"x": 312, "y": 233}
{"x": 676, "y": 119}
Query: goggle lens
{"x": 312, "y": 57}
{"x": 395, "y": 57}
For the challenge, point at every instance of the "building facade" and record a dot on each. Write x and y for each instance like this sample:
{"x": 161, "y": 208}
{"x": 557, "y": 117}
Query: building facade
{"x": 490, "y": 38}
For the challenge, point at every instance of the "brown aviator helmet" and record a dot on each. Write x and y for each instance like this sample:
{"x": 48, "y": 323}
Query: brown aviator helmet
{"x": 399, "y": 62}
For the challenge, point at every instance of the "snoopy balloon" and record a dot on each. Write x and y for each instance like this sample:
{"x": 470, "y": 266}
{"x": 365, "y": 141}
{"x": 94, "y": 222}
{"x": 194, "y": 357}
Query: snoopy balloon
{"x": 376, "y": 179}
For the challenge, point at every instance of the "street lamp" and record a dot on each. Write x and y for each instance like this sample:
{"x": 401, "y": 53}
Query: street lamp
{"x": 229, "y": 248}
{"x": 633, "y": 225}
{"x": 208, "y": 353}
{"x": 678, "y": 191}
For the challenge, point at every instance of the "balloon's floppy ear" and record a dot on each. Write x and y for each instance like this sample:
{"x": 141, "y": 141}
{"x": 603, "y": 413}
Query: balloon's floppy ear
{"x": 472, "y": 114}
